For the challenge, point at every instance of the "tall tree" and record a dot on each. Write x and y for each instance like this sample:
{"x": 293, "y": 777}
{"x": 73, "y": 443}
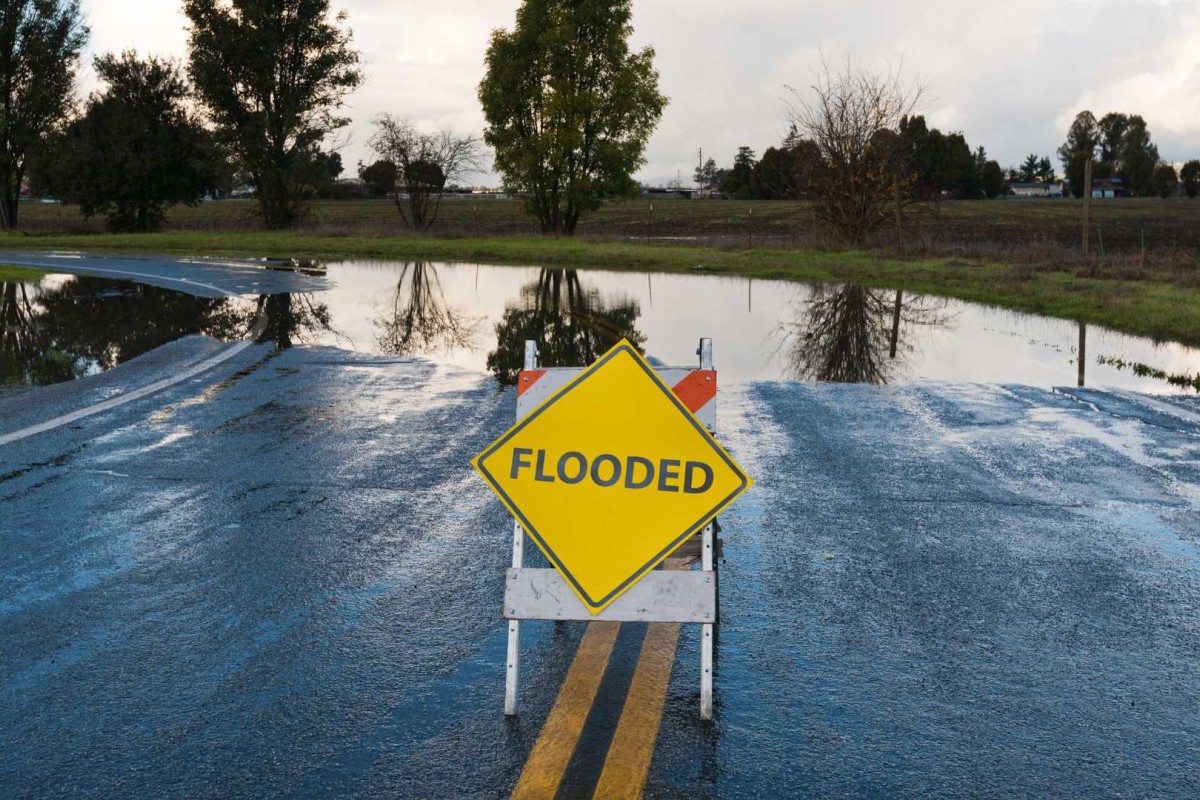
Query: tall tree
{"x": 737, "y": 182}
{"x": 569, "y": 108}
{"x": 1083, "y": 137}
{"x": 1189, "y": 176}
{"x": 1045, "y": 170}
{"x": 1139, "y": 157}
{"x": 1029, "y": 168}
{"x": 992, "y": 180}
{"x": 273, "y": 74}
{"x": 706, "y": 176}
{"x": 136, "y": 150}
{"x": 379, "y": 178}
{"x": 1166, "y": 180}
{"x": 1113, "y": 126}
{"x": 40, "y": 44}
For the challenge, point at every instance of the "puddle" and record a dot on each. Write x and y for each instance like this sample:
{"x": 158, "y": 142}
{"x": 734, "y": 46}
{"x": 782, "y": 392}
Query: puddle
{"x": 478, "y": 317}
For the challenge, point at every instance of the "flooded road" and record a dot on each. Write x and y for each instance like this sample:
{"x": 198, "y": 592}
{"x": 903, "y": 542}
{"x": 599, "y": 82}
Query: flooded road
{"x": 280, "y": 577}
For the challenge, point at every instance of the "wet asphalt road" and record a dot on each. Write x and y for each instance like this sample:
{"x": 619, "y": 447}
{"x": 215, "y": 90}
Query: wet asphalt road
{"x": 281, "y": 578}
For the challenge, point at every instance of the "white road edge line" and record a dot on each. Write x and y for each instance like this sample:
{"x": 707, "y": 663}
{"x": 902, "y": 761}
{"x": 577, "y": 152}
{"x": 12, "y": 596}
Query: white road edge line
{"x": 127, "y": 397}
{"x": 136, "y": 394}
{"x": 46, "y": 264}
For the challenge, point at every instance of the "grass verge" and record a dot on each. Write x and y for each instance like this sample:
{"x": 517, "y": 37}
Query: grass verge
{"x": 1154, "y": 307}
{"x": 19, "y": 274}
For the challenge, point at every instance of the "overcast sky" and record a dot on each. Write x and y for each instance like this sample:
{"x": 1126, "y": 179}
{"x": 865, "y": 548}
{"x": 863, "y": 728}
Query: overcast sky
{"x": 1010, "y": 75}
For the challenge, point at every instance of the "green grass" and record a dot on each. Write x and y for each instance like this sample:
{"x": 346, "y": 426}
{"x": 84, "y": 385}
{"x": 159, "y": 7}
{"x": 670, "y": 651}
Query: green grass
{"x": 1155, "y": 307}
{"x": 20, "y": 274}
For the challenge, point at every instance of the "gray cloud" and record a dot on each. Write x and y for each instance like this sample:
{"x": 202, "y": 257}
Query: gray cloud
{"x": 1009, "y": 75}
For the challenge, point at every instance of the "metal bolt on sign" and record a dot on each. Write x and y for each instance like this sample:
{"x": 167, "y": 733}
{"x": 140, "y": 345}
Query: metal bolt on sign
{"x": 609, "y": 470}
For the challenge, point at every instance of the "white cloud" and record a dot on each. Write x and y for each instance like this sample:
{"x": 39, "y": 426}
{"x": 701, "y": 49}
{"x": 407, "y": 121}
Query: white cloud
{"x": 1009, "y": 75}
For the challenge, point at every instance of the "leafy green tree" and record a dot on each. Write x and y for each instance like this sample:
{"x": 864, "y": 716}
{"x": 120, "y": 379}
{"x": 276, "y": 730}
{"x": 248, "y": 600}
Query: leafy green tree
{"x": 706, "y": 176}
{"x": 992, "y": 180}
{"x": 272, "y": 74}
{"x": 1189, "y": 176}
{"x": 1139, "y": 157}
{"x": 1029, "y": 168}
{"x": 569, "y": 108}
{"x": 379, "y": 178}
{"x": 1083, "y": 137}
{"x": 1077, "y": 172}
{"x": 136, "y": 150}
{"x": 1113, "y": 127}
{"x": 737, "y": 182}
{"x": 786, "y": 172}
{"x": 1166, "y": 180}
{"x": 940, "y": 163}
{"x": 1045, "y": 171}
{"x": 40, "y": 45}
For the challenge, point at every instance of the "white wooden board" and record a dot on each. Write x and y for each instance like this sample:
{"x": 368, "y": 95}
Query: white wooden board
{"x": 661, "y": 596}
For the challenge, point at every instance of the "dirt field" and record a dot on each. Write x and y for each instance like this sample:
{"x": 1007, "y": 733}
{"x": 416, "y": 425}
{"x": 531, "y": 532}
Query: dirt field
{"x": 973, "y": 227}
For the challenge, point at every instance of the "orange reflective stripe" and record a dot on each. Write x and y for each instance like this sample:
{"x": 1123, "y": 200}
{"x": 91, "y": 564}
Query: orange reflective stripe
{"x": 527, "y": 378}
{"x": 697, "y": 389}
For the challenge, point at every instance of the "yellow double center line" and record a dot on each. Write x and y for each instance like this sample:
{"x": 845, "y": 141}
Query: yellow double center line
{"x": 628, "y": 761}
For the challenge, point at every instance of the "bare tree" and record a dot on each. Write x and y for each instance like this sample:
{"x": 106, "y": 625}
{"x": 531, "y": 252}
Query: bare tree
{"x": 853, "y": 117}
{"x": 425, "y": 163}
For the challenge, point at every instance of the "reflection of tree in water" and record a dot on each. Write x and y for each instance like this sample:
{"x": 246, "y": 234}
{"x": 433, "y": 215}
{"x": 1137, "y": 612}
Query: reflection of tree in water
{"x": 288, "y": 318}
{"x": 852, "y": 334}
{"x": 571, "y": 324}
{"x": 420, "y": 320}
{"x": 89, "y": 324}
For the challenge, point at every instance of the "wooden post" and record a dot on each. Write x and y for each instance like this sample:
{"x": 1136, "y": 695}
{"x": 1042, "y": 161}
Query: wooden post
{"x": 1087, "y": 204}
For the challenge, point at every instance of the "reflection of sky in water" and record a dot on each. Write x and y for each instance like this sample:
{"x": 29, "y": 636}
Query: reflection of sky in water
{"x": 756, "y": 326}
{"x": 749, "y": 322}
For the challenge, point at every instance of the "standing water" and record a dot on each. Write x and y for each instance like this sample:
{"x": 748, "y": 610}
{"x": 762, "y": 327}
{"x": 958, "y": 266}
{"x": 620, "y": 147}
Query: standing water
{"x": 60, "y": 327}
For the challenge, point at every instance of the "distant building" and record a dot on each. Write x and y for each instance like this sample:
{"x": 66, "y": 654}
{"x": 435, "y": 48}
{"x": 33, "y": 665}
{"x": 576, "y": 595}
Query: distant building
{"x": 1102, "y": 188}
{"x": 666, "y": 194}
{"x": 1024, "y": 189}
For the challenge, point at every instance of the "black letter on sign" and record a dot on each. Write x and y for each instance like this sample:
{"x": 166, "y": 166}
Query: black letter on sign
{"x": 692, "y": 467}
{"x": 562, "y": 464}
{"x": 645, "y": 463}
{"x": 666, "y": 473}
{"x": 616, "y": 470}
{"x": 539, "y": 474}
{"x": 518, "y": 462}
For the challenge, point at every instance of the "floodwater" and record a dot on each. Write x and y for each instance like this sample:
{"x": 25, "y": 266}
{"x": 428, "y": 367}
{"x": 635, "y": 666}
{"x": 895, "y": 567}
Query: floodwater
{"x": 478, "y": 317}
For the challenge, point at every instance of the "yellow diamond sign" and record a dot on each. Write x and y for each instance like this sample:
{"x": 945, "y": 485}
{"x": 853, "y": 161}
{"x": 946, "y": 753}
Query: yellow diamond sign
{"x": 610, "y": 475}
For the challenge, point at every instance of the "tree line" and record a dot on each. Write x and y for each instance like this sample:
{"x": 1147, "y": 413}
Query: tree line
{"x": 569, "y": 109}
{"x": 944, "y": 165}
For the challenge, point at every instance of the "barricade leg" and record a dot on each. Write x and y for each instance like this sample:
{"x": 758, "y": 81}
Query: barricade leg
{"x": 512, "y": 672}
{"x": 706, "y": 632}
